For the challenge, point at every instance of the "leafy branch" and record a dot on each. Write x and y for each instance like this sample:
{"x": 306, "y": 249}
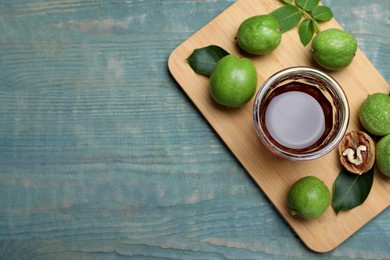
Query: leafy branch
{"x": 306, "y": 13}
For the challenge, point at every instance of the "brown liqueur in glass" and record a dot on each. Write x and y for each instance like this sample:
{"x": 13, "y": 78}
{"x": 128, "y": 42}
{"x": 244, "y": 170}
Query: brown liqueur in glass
{"x": 297, "y": 117}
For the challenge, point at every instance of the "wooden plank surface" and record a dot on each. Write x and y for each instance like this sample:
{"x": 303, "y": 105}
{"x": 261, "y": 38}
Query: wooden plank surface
{"x": 103, "y": 156}
{"x": 275, "y": 175}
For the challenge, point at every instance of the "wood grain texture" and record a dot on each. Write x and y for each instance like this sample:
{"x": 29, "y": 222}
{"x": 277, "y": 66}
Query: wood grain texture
{"x": 103, "y": 156}
{"x": 274, "y": 175}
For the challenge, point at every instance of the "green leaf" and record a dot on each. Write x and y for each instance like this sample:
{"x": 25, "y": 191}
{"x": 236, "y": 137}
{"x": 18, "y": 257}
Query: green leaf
{"x": 306, "y": 31}
{"x": 307, "y": 5}
{"x": 288, "y": 1}
{"x": 203, "y": 60}
{"x": 351, "y": 190}
{"x": 288, "y": 16}
{"x": 322, "y": 13}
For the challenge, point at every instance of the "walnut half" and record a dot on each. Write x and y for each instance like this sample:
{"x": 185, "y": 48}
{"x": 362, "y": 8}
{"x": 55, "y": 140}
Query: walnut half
{"x": 357, "y": 152}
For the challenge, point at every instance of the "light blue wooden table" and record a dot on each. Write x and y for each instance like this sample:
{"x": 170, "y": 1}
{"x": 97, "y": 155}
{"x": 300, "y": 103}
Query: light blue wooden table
{"x": 103, "y": 156}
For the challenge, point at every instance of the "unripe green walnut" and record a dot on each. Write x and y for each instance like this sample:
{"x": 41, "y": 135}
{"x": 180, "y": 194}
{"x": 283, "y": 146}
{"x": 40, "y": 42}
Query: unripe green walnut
{"x": 309, "y": 197}
{"x": 233, "y": 81}
{"x": 333, "y": 49}
{"x": 374, "y": 114}
{"x": 383, "y": 155}
{"x": 259, "y": 34}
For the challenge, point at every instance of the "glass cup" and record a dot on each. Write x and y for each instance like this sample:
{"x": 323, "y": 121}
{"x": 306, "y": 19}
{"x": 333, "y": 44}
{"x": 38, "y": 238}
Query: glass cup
{"x": 300, "y": 113}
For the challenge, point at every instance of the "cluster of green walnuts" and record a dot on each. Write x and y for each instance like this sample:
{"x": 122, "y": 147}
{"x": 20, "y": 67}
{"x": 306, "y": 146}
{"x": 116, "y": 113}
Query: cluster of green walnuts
{"x": 332, "y": 49}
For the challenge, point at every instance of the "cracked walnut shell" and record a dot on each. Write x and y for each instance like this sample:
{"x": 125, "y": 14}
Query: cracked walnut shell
{"x": 357, "y": 152}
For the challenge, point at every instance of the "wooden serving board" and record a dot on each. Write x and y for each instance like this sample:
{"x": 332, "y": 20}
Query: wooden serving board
{"x": 274, "y": 175}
